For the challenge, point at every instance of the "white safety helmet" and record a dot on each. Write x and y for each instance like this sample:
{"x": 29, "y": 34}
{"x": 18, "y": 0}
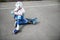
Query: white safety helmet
{"x": 18, "y": 4}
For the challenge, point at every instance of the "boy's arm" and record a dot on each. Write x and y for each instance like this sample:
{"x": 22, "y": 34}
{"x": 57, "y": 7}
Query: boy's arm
{"x": 17, "y": 9}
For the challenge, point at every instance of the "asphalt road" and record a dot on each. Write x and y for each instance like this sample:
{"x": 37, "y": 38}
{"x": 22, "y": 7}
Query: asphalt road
{"x": 48, "y": 13}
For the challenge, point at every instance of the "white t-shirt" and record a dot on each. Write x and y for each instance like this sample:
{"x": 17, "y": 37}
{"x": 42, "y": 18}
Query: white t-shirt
{"x": 19, "y": 12}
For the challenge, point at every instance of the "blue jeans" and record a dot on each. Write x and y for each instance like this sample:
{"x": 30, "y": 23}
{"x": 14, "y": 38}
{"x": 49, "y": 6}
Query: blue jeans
{"x": 20, "y": 20}
{"x": 21, "y": 17}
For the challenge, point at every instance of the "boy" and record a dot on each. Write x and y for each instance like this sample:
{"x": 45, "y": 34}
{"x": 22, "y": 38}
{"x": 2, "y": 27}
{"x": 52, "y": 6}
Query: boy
{"x": 19, "y": 14}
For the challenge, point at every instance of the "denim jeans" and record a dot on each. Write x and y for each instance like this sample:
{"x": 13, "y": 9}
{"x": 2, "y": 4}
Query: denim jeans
{"x": 20, "y": 19}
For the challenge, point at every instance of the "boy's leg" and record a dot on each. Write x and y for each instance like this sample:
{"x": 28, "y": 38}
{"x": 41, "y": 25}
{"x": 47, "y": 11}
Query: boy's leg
{"x": 24, "y": 19}
{"x": 17, "y": 27}
{"x": 18, "y": 23}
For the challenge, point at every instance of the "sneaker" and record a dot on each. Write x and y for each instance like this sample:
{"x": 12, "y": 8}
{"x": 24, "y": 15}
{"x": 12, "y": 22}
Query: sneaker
{"x": 15, "y": 31}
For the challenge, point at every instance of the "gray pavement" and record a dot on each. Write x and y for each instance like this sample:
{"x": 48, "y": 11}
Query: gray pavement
{"x": 47, "y": 12}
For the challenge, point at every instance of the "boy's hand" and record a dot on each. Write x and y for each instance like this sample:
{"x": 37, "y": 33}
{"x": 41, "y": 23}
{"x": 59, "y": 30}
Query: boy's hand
{"x": 12, "y": 12}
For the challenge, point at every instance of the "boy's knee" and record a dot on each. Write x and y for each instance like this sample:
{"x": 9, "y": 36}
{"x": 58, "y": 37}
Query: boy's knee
{"x": 18, "y": 22}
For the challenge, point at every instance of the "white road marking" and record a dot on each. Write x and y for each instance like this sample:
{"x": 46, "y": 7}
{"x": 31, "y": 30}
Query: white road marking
{"x": 42, "y": 5}
{"x": 35, "y": 6}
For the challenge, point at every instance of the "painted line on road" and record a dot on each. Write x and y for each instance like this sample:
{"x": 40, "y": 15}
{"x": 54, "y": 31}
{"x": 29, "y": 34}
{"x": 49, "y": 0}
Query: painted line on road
{"x": 42, "y": 5}
{"x": 36, "y": 6}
